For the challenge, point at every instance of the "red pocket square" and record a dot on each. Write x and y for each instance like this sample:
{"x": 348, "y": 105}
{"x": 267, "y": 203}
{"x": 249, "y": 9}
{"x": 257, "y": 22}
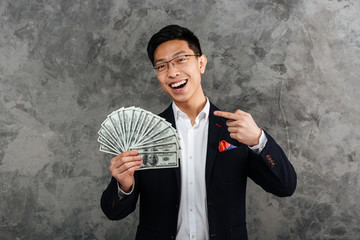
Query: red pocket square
{"x": 224, "y": 146}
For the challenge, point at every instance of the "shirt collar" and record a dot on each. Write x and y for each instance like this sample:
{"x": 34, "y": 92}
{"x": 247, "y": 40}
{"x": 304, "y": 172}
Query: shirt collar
{"x": 203, "y": 114}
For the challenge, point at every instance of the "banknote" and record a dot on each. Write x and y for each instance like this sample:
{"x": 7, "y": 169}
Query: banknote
{"x": 105, "y": 149}
{"x": 153, "y": 160}
{"x": 162, "y": 141}
{"x": 168, "y": 147}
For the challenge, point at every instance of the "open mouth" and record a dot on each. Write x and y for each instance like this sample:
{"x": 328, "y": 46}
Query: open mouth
{"x": 178, "y": 85}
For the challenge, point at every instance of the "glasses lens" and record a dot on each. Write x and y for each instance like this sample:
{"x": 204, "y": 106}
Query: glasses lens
{"x": 176, "y": 62}
{"x": 160, "y": 67}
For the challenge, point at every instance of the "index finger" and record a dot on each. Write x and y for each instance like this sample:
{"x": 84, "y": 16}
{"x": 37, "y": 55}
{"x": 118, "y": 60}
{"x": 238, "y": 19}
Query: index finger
{"x": 130, "y": 153}
{"x": 228, "y": 115}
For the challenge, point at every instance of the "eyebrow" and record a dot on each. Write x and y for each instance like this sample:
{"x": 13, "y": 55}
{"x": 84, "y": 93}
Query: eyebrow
{"x": 174, "y": 55}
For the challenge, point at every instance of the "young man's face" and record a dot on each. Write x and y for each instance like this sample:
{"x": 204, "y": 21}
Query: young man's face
{"x": 182, "y": 81}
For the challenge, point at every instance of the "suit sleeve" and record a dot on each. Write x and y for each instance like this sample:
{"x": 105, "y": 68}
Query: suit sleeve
{"x": 272, "y": 170}
{"x": 113, "y": 207}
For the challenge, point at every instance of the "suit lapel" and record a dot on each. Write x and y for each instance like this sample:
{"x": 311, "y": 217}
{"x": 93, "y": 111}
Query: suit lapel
{"x": 168, "y": 114}
{"x": 216, "y": 127}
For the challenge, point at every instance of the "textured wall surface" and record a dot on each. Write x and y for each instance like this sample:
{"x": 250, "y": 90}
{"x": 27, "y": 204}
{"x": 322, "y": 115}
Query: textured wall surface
{"x": 65, "y": 65}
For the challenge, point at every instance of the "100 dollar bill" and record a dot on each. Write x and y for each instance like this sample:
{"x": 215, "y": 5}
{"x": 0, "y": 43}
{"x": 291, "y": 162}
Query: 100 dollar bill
{"x": 159, "y": 160}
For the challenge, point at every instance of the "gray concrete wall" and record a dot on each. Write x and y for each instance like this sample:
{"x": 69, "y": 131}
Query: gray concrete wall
{"x": 65, "y": 65}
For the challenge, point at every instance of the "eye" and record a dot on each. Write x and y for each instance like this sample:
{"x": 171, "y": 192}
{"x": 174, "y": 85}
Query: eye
{"x": 181, "y": 59}
{"x": 160, "y": 66}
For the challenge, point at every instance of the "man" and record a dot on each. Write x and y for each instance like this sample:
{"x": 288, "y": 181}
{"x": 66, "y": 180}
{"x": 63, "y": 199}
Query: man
{"x": 205, "y": 197}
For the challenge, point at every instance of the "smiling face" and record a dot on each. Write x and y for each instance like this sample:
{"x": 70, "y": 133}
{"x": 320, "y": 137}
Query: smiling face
{"x": 182, "y": 82}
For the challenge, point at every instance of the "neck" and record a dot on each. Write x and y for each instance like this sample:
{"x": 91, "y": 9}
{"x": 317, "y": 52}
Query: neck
{"x": 193, "y": 107}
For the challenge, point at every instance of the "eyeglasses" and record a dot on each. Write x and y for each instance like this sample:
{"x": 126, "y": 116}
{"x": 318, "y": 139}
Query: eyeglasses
{"x": 178, "y": 61}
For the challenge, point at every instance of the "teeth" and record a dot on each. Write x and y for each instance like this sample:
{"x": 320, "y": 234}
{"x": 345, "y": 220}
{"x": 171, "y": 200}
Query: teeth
{"x": 174, "y": 85}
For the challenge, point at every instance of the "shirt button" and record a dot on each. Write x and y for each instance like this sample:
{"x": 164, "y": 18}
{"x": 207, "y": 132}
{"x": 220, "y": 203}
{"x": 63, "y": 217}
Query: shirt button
{"x": 190, "y": 182}
{"x": 190, "y": 209}
{"x": 190, "y": 157}
{"x": 193, "y": 236}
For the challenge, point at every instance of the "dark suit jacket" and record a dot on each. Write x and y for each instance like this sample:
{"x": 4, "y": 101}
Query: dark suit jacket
{"x": 226, "y": 176}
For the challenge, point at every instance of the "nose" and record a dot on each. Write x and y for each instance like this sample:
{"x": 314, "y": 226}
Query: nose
{"x": 172, "y": 70}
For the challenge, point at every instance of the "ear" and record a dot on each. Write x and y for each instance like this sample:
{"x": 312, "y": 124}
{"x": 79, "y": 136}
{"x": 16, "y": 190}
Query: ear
{"x": 202, "y": 63}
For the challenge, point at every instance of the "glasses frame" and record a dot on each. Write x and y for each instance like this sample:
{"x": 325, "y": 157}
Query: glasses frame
{"x": 170, "y": 61}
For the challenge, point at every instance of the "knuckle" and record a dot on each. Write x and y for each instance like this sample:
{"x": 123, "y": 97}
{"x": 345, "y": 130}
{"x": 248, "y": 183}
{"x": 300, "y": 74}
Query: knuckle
{"x": 127, "y": 165}
{"x": 129, "y": 171}
{"x": 115, "y": 159}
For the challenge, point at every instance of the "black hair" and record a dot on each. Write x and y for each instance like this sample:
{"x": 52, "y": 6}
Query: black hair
{"x": 173, "y": 32}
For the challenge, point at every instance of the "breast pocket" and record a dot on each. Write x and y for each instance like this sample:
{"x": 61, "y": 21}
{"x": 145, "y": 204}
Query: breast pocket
{"x": 232, "y": 165}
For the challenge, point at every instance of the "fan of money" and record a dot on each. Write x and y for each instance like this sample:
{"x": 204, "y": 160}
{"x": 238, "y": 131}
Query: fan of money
{"x": 134, "y": 128}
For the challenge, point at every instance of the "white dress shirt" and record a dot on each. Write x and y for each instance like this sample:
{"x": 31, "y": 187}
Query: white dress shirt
{"x": 192, "y": 219}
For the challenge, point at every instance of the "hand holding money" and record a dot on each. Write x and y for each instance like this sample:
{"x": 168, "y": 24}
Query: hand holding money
{"x": 133, "y": 128}
{"x": 123, "y": 167}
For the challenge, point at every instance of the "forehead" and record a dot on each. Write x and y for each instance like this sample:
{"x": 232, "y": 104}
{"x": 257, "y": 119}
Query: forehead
{"x": 171, "y": 48}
